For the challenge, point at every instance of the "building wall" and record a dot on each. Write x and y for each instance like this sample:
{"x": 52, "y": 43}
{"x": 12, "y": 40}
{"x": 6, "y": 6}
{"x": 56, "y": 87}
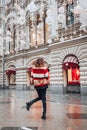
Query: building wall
{"x": 77, "y": 48}
{"x": 54, "y": 55}
{"x": 53, "y": 52}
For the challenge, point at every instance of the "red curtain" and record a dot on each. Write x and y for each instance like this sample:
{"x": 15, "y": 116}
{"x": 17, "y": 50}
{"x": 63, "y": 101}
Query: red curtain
{"x": 9, "y": 72}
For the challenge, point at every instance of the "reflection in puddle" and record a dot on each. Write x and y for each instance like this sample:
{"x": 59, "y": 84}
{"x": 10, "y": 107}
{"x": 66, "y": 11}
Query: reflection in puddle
{"x": 77, "y": 115}
{"x": 74, "y": 112}
{"x": 19, "y": 128}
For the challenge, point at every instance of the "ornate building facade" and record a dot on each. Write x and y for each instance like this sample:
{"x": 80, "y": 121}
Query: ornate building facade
{"x": 55, "y": 30}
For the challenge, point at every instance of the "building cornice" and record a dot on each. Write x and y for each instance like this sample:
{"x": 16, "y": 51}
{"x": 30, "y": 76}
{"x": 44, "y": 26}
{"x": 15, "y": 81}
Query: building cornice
{"x": 47, "y": 48}
{"x": 67, "y": 43}
{"x": 28, "y": 53}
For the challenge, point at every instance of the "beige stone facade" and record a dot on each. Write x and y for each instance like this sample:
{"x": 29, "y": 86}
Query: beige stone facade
{"x": 52, "y": 39}
{"x": 54, "y": 55}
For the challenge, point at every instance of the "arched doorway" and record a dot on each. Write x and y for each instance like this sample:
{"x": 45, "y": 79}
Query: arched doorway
{"x": 71, "y": 73}
{"x": 11, "y": 76}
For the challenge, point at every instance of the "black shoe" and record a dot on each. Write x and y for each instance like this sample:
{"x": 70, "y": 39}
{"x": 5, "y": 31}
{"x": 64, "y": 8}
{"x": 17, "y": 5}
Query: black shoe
{"x": 44, "y": 116}
{"x": 28, "y": 106}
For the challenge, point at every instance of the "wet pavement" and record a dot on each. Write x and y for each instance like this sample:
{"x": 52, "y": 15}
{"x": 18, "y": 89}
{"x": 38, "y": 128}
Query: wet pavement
{"x": 64, "y": 112}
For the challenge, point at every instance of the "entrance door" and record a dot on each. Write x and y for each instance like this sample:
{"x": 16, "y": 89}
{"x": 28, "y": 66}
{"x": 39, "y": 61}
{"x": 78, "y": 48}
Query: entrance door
{"x": 11, "y": 76}
{"x": 12, "y": 79}
{"x": 71, "y": 74}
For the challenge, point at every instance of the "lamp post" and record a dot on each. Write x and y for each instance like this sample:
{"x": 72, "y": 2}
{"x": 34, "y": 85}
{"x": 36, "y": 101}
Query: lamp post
{"x": 3, "y": 41}
{"x": 20, "y": 19}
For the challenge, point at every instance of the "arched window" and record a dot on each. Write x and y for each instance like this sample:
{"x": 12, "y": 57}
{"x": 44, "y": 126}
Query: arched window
{"x": 71, "y": 68}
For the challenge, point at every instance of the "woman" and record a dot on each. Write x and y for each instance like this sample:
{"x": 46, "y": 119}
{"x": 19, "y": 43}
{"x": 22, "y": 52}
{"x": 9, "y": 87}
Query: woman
{"x": 40, "y": 78}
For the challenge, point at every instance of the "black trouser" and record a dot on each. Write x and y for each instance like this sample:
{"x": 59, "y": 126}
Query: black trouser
{"x": 41, "y": 96}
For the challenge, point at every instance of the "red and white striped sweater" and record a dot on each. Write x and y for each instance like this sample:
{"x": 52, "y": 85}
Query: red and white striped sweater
{"x": 40, "y": 76}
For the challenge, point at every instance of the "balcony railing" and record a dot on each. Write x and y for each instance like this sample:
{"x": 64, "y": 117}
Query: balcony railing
{"x": 70, "y": 32}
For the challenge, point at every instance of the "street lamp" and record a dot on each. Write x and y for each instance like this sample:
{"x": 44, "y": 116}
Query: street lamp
{"x": 3, "y": 40}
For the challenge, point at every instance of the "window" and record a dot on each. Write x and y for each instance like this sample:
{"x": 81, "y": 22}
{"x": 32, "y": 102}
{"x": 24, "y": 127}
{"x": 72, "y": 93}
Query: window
{"x": 71, "y": 68}
{"x": 69, "y": 14}
{"x": 37, "y": 29}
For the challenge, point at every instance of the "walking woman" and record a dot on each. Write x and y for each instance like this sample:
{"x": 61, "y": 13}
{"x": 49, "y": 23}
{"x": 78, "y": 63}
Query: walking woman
{"x": 40, "y": 78}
